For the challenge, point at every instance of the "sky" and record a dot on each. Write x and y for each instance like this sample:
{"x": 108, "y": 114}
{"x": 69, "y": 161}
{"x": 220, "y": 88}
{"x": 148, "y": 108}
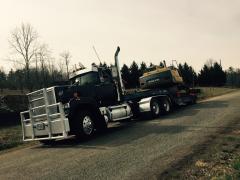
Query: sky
{"x": 146, "y": 30}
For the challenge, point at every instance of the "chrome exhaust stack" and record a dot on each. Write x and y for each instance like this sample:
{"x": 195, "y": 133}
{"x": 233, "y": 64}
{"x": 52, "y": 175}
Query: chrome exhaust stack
{"x": 120, "y": 82}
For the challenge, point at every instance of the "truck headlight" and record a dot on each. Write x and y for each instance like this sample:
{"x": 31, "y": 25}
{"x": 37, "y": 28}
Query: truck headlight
{"x": 66, "y": 105}
{"x": 66, "y": 108}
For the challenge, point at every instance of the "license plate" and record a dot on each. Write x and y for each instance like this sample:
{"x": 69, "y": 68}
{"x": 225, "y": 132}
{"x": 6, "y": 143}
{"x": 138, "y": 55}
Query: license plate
{"x": 40, "y": 126}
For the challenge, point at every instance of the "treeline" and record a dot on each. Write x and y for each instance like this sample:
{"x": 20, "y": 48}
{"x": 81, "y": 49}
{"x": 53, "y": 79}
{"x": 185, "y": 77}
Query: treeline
{"x": 233, "y": 77}
{"x": 210, "y": 75}
{"x": 16, "y": 80}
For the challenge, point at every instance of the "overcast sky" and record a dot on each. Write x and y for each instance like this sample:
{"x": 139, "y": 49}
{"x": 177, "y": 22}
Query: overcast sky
{"x": 146, "y": 30}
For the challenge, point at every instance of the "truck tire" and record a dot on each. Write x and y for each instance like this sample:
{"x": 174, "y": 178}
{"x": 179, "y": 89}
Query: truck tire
{"x": 166, "y": 106}
{"x": 155, "y": 108}
{"x": 85, "y": 123}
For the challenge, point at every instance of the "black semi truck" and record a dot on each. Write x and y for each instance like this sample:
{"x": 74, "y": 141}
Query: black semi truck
{"x": 96, "y": 97}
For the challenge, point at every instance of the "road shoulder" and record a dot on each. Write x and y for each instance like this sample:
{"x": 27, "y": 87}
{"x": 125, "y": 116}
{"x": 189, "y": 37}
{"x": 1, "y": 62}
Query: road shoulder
{"x": 218, "y": 157}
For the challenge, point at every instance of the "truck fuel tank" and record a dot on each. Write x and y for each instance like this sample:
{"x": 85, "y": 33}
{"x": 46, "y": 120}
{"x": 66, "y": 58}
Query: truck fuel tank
{"x": 119, "y": 112}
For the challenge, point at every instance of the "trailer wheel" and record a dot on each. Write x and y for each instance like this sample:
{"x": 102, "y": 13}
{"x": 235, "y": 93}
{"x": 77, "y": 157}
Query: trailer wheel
{"x": 85, "y": 124}
{"x": 155, "y": 108}
{"x": 166, "y": 106}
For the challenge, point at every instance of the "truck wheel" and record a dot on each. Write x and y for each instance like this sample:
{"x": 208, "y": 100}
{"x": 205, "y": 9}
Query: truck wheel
{"x": 166, "y": 106}
{"x": 85, "y": 123}
{"x": 155, "y": 108}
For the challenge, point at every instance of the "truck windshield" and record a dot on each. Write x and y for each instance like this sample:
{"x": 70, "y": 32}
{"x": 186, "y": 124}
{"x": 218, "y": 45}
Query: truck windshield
{"x": 88, "y": 78}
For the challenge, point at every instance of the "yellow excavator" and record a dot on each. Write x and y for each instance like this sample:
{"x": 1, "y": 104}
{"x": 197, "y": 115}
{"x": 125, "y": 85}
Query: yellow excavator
{"x": 160, "y": 76}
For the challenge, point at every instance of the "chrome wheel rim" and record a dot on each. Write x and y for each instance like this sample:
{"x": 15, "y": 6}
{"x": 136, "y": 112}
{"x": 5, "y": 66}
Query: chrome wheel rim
{"x": 155, "y": 108}
{"x": 87, "y": 125}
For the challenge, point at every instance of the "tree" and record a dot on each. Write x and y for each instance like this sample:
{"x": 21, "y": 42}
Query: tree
{"x": 66, "y": 57}
{"x": 3, "y": 79}
{"x": 212, "y": 74}
{"x": 161, "y": 64}
{"x": 134, "y": 75}
{"x": 43, "y": 56}
{"x": 203, "y": 77}
{"x": 143, "y": 68}
{"x": 188, "y": 74}
{"x": 24, "y": 43}
{"x": 231, "y": 76}
{"x": 11, "y": 78}
{"x": 151, "y": 65}
{"x": 218, "y": 75}
{"x": 126, "y": 75}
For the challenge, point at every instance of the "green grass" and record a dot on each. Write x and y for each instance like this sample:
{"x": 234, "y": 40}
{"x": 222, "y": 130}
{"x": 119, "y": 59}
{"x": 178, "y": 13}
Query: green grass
{"x": 10, "y": 137}
{"x": 236, "y": 164}
{"x": 207, "y": 92}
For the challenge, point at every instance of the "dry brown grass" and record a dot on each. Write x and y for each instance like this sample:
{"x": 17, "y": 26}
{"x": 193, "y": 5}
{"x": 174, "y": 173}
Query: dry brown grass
{"x": 10, "y": 137}
{"x": 207, "y": 92}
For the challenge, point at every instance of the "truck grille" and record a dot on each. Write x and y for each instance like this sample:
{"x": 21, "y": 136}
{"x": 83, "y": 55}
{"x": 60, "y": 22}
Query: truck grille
{"x": 45, "y": 118}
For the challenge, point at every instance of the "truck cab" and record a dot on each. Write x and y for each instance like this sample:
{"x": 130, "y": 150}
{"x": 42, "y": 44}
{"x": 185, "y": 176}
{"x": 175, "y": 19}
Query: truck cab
{"x": 98, "y": 85}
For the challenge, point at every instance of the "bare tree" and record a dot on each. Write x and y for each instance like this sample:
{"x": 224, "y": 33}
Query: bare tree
{"x": 66, "y": 56}
{"x": 210, "y": 62}
{"x": 43, "y": 55}
{"x": 51, "y": 68}
{"x": 23, "y": 41}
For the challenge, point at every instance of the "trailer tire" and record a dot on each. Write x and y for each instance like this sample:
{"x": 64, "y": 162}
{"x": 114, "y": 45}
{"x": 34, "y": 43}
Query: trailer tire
{"x": 155, "y": 108}
{"x": 166, "y": 106}
{"x": 85, "y": 124}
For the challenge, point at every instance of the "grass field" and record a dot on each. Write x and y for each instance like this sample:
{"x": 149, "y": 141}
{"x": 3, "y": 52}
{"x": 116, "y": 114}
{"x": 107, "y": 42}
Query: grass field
{"x": 10, "y": 137}
{"x": 207, "y": 92}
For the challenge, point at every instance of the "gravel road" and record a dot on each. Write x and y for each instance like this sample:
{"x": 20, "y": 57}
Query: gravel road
{"x": 140, "y": 149}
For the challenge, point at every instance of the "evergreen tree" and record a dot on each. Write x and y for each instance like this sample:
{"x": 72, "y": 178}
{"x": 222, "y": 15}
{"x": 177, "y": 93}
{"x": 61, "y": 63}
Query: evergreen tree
{"x": 233, "y": 77}
{"x": 134, "y": 75}
{"x": 11, "y": 79}
{"x": 3, "y": 80}
{"x": 161, "y": 64}
{"x": 151, "y": 65}
{"x": 143, "y": 68}
{"x": 212, "y": 75}
{"x": 203, "y": 77}
{"x": 126, "y": 75}
{"x": 188, "y": 74}
{"x": 219, "y": 76}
